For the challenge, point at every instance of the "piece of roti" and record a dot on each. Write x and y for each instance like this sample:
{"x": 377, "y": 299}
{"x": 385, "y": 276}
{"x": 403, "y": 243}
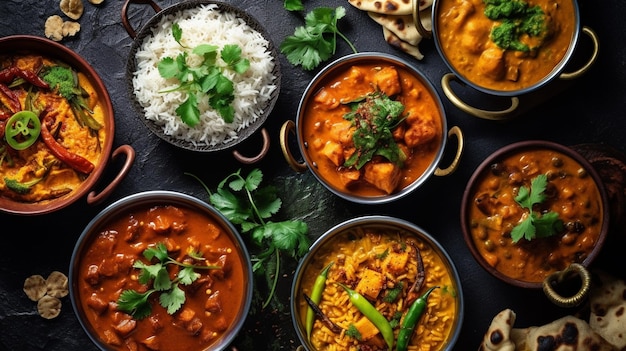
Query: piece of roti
{"x": 389, "y": 7}
{"x": 402, "y": 45}
{"x": 403, "y": 26}
{"x": 608, "y": 308}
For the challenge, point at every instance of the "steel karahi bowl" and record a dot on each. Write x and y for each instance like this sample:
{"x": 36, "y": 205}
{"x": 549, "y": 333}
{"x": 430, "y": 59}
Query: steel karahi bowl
{"x": 422, "y": 105}
{"x": 256, "y": 117}
{"x": 106, "y": 260}
{"x": 26, "y": 44}
{"x": 550, "y": 244}
{"x": 376, "y": 257}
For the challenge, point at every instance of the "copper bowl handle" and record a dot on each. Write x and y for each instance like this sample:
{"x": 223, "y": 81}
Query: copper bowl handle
{"x": 594, "y": 55}
{"x": 557, "y": 278}
{"x": 456, "y": 131}
{"x": 95, "y": 198}
{"x": 254, "y": 159}
{"x": 126, "y": 22}
{"x": 287, "y": 127}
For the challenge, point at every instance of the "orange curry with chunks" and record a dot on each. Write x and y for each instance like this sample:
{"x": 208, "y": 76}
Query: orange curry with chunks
{"x": 212, "y": 302}
{"x": 504, "y": 51}
{"x": 49, "y": 155}
{"x": 372, "y": 130}
{"x": 570, "y": 192}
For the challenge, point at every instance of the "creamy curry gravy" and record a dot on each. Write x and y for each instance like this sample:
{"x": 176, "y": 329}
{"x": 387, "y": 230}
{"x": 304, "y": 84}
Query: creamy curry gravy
{"x": 464, "y": 35}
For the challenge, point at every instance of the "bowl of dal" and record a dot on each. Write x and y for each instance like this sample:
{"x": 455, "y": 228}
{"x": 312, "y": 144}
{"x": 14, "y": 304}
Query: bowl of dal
{"x": 137, "y": 243}
{"x": 384, "y": 262}
{"x": 531, "y": 210}
{"x": 203, "y": 75}
{"x": 53, "y": 153}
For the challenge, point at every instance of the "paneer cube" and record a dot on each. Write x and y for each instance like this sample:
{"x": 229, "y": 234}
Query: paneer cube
{"x": 388, "y": 81}
{"x": 370, "y": 284}
{"x": 334, "y": 152}
{"x": 349, "y": 176}
{"x": 384, "y": 176}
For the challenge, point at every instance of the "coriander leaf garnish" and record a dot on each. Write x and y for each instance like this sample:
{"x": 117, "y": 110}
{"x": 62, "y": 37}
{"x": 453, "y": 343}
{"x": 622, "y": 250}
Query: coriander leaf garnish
{"x": 316, "y": 41}
{"x": 245, "y": 203}
{"x": 517, "y": 19}
{"x": 293, "y": 5}
{"x": 374, "y": 119}
{"x": 171, "y": 297}
{"x": 535, "y": 225}
{"x": 204, "y": 81}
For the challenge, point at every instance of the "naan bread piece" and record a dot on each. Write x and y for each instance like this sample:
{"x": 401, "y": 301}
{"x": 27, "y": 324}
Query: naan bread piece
{"x": 402, "y": 45}
{"x": 389, "y": 7}
{"x": 498, "y": 336}
{"x": 608, "y": 309}
{"x": 403, "y": 26}
{"x": 564, "y": 334}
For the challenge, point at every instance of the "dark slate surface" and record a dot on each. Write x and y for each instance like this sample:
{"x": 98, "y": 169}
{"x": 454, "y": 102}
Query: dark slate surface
{"x": 587, "y": 110}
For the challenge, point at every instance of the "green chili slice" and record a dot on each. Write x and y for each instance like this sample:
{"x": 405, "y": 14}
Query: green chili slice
{"x": 411, "y": 319}
{"x": 371, "y": 313}
{"x": 22, "y": 130}
{"x": 316, "y": 296}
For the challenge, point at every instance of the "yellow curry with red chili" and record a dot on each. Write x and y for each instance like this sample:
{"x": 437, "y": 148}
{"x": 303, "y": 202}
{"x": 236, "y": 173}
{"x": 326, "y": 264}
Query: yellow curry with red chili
{"x": 51, "y": 133}
{"x": 372, "y": 129}
{"x": 207, "y": 291}
{"x": 567, "y": 214}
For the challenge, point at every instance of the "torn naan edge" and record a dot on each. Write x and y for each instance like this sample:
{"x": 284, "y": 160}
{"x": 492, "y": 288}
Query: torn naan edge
{"x": 398, "y": 43}
{"x": 403, "y": 26}
{"x": 498, "y": 336}
{"x": 389, "y": 7}
{"x": 608, "y": 308}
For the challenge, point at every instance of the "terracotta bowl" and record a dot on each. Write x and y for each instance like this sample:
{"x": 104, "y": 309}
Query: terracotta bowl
{"x": 32, "y": 44}
{"x": 146, "y": 32}
{"x": 352, "y": 246}
{"x": 216, "y": 303}
{"x": 426, "y": 164}
{"x": 492, "y": 217}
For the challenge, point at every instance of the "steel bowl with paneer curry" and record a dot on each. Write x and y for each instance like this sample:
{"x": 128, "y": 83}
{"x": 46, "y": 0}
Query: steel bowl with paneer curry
{"x": 371, "y": 127}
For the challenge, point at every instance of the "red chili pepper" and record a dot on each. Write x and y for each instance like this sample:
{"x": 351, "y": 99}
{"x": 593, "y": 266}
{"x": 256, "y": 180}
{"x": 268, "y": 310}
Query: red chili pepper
{"x": 14, "y": 101}
{"x": 7, "y": 74}
{"x": 33, "y": 78}
{"x": 75, "y": 161}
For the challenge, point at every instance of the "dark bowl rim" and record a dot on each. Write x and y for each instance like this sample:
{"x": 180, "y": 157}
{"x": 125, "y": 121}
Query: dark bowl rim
{"x": 379, "y": 221}
{"x": 513, "y": 148}
{"x": 160, "y": 197}
{"x": 44, "y": 46}
{"x": 554, "y": 73}
{"x": 340, "y": 64}
{"x": 146, "y": 31}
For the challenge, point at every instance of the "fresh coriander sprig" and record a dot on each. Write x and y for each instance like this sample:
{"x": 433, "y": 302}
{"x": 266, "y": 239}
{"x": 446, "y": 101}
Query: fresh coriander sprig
{"x": 206, "y": 80}
{"x": 535, "y": 225}
{"x": 316, "y": 41}
{"x": 246, "y": 204}
{"x": 171, "y": 297}
{"x": 293, "y": 5}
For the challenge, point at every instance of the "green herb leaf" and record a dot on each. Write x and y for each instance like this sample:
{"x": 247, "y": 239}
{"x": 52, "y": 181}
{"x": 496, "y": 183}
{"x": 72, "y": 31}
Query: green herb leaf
{"x": 317, "y": 40}
{"x": 293, "y": 5}
{"x": 249, "y": 206}
{"x": 172, "y": 300}
{"x": 135, "y": 303}
{"x": 516, "y": 19}
{"x": 205, "y": 81}
{"x": 535, "y": 225}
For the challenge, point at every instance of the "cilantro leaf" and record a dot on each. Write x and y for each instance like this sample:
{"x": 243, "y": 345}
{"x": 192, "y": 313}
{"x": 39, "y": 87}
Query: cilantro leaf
{"x": 249, "y": 207}
{"x": 204, "y": 81}
{"x": 535, "y": 225}
{"x": 173, "y": 299}
{"x": 316, "y": 41}
{"x": 293, "y": 5}
{"x": 135, "y": 303}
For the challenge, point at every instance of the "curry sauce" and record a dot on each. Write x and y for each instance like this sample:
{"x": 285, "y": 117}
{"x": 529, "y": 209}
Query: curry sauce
{"x": 472, "y": 43}
{"x": 47, "y": 175}
{"x": 334, "y": 120}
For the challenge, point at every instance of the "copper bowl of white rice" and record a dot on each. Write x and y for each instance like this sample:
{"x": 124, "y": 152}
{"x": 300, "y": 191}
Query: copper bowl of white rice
{"x": 202, "y": 22}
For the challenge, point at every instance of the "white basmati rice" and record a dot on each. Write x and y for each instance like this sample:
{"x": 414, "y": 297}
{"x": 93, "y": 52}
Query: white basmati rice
{"x": 205, "y": 24}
